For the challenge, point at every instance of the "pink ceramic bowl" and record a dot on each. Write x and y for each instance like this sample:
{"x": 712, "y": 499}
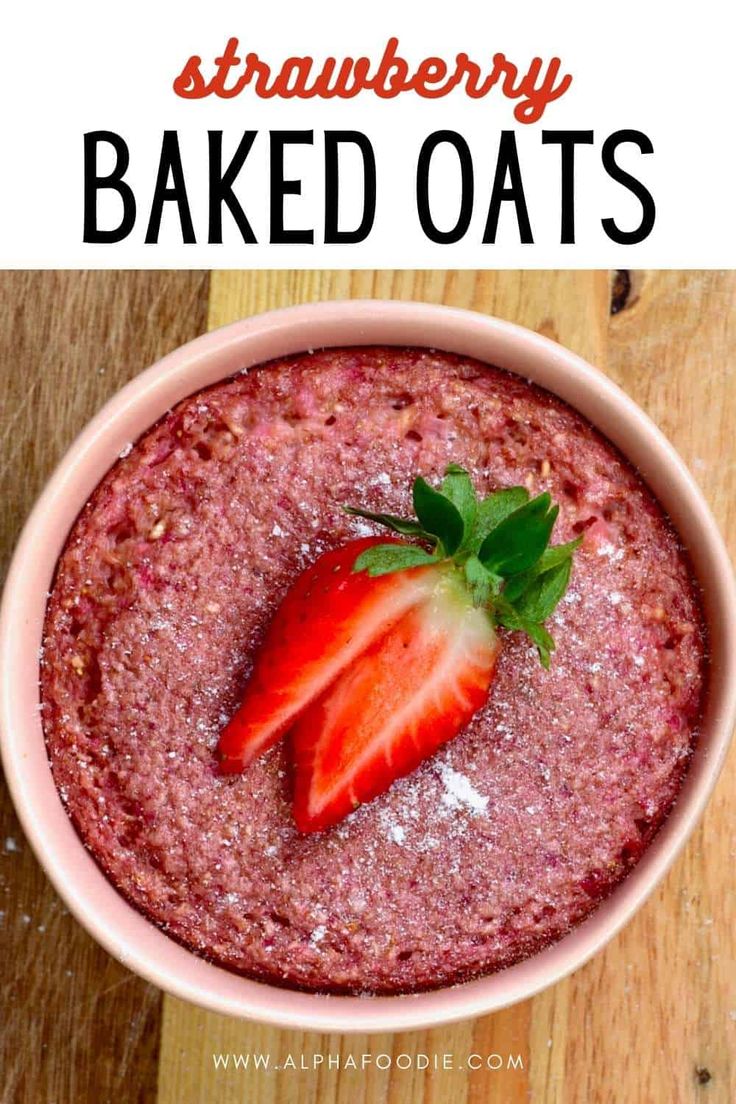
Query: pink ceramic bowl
{"x": 116, "y": 925}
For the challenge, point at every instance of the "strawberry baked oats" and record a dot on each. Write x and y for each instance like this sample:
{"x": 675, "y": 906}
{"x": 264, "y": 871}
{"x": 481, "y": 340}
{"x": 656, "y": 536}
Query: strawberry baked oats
{"x": 384, "y": 748}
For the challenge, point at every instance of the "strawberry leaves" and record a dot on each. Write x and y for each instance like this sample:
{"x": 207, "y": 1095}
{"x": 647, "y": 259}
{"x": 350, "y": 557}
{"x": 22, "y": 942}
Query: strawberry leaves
{"x": 382, "y": 559}
{"x": 539, "y": 600}
{"x": 457, "y": 487}
{"x": 406, "y": 526}
{"x": 438, "y": 516}
{"x": 479, "y": 582}
{"x": 517, "y": 542}
{"x": 492, "y": 510}
{"x": 551, "y": 558}
{"x": 500, "y": 544}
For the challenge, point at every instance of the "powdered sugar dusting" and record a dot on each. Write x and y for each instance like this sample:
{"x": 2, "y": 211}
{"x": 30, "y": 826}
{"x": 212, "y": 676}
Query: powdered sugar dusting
{"x": 611, "y": 553}
{"x": 460, "y": 793}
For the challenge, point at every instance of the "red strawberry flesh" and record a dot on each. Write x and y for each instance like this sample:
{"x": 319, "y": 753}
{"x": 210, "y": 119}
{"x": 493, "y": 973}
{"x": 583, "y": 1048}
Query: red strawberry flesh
{"x": 326, "y": 620}
{"x": 411, "y": 691}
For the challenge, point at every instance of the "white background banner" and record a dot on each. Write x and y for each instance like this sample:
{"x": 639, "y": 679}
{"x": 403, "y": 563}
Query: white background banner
{"x": 663, "y": 70}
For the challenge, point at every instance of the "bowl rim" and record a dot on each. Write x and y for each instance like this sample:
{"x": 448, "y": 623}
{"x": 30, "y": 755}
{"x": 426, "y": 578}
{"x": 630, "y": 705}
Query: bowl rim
{"x": 85, "y": 889}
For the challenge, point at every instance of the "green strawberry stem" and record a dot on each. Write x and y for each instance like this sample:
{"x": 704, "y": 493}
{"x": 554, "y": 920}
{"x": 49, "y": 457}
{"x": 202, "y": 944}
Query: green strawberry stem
{"x": 500, "y": 546}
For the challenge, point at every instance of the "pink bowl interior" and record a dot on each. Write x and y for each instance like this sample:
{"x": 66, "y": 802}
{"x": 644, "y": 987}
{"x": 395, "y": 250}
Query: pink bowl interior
{"x": 96, "y": 904}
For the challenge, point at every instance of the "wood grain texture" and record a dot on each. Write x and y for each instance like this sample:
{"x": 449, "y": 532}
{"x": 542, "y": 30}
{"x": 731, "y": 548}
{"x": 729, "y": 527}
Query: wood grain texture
{"x": 76, "y": 1026}
{"x": 652, "y": 1018}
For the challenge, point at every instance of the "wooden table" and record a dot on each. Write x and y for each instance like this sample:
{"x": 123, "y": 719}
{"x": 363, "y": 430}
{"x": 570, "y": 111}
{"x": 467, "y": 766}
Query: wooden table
{"x": 653, "y": 1018}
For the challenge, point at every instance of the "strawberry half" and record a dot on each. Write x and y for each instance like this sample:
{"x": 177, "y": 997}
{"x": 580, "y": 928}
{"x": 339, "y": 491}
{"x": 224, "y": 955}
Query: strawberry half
{"x": 383, "y": 651}
{"x": 412, "y": 690}
{"x": 326, "y": 620}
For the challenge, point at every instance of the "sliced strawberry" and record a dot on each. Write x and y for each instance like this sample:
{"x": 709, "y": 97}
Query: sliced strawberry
{"x": 381, "y": 652}
{"x": 329, "y": 617}
{"x": 412, "y": 690}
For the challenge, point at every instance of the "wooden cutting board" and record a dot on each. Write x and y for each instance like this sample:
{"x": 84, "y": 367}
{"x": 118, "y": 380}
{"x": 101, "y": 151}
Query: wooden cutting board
{"x": 651, "y": 1019}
